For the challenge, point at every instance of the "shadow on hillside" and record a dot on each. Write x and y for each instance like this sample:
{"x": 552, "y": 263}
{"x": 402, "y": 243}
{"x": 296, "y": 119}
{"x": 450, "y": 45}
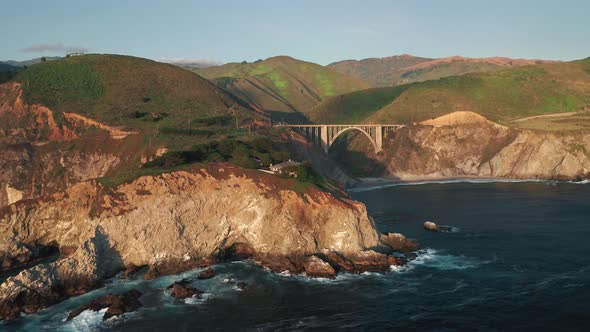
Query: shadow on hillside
{"x": 288, "y": 117}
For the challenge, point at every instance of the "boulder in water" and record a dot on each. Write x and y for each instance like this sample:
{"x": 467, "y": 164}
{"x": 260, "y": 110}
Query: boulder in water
{"x": 117, "y": 304}
{"x": 207, "y": 274}
{"x": 430, "y": 226}
{"x": 182, "y": 289}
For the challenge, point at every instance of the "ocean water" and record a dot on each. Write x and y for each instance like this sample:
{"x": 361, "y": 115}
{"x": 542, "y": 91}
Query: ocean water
{"x": 518, "y": 258}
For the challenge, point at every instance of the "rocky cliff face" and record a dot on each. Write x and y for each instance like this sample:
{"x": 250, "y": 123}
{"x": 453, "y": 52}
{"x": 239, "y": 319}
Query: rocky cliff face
{"x": 464, "y": 144}
{"x": 177, "y": 221}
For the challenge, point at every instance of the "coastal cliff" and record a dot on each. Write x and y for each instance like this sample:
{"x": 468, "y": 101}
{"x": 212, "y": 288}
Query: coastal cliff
{"x": 466, "y": 144}
{"x": 178, "y": 221}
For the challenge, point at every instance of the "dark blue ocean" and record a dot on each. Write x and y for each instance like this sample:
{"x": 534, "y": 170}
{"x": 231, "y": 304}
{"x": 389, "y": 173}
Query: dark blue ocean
{"x": 519, "y": 260}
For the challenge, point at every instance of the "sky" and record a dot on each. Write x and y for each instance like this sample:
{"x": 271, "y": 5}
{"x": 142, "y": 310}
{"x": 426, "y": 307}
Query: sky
{"x": 220, "y": 31}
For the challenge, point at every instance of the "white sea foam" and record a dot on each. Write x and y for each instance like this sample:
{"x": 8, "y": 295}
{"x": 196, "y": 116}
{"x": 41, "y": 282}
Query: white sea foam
{"x": 198, "y": 300}
{"x": 87, "y": 320}
{"x": 431, "y": 258}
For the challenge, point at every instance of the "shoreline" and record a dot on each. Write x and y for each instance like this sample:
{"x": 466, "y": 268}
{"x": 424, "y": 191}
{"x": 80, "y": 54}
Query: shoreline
{"x": 372, "y": 183}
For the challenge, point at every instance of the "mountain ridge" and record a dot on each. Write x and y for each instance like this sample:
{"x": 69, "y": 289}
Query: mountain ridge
{"x": 406, "y": 68}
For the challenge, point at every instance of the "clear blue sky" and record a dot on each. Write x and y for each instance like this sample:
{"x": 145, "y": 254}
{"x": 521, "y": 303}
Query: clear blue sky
{"x": 317, "y": 31}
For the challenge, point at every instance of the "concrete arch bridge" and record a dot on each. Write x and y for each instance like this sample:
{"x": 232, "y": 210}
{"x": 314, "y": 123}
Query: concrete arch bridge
{"x": 323, "y": 135}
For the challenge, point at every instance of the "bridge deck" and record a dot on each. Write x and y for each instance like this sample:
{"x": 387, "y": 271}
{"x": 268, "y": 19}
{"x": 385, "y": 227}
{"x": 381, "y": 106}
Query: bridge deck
{"x": 339, "y": 125}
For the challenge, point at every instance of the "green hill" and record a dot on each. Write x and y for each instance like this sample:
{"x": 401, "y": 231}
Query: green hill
{"x": 500, "y": 96}
{"x": 124, "y": 91}
{"x": 284, "y": 87}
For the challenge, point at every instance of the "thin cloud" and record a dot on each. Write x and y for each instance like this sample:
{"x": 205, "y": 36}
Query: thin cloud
{"x": 193, "y": 62}
{"x": 56, "y": 47}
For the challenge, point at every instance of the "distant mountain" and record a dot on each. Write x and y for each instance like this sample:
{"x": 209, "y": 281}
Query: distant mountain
{"x": 8, "y": 67}
{"x": 284, "y": 87}
{"x": 500, "y": 95}
{"x": 402, "y": 69}
{"x": 7, "y": 72}
{"x": 28, "y": 62}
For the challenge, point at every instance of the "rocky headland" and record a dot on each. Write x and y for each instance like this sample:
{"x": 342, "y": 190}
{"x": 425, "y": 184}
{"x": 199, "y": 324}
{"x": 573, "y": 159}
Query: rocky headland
{"x": 178, "y": 221}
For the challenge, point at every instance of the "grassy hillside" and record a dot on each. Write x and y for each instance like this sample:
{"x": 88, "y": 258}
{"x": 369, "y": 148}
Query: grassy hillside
{"x": 356, "y": 106}
{"x": 285, "y": 87}
{"x": 500, "y": 96}
{"x": 403, "y": 69}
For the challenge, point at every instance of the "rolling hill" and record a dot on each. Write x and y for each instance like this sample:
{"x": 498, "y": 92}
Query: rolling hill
{"x": 500, "y": 96}
{"x": 402, "y": 69}
{"x": 284, "y": 87}
{"x": 128, "y": 92}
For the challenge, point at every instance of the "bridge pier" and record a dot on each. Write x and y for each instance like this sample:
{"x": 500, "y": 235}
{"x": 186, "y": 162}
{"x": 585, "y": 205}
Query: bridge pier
{"x": 379, "y": 137}
{"x": 325, "y": 142}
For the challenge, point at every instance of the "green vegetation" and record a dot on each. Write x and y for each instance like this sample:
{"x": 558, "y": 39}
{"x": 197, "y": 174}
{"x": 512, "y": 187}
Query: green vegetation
{"x": 256, "y": 152}
{"x": 500, "y": 96}
{"x": 55, "y": 83}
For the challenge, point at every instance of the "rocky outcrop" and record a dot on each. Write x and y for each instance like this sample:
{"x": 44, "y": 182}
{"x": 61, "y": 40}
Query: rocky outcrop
{"x": 317, "y": 267}
{"x": 467, "y": 145}
{"x": 178, "y": 221}
{"x": 398, "y": 242}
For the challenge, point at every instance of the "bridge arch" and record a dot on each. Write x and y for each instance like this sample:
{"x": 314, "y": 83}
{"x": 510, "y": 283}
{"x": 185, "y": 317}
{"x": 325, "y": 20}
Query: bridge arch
{"x": 342, "y": 131}
{"x": 324, "y": 135}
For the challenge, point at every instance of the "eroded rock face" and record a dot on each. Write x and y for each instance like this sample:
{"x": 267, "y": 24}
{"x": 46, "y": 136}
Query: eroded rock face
{"x": 178, "y": 221}
{"x": 43, "y": 151}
